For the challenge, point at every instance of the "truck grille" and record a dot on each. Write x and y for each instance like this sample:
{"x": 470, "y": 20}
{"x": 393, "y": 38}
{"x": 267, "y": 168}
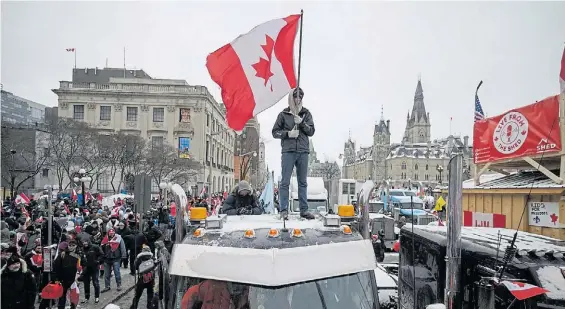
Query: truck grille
{"x": 424, "y": 220}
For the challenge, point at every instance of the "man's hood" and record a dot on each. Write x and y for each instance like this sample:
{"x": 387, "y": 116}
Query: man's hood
{"x": 293, "y": 107}
{"x": 143, "y": 253}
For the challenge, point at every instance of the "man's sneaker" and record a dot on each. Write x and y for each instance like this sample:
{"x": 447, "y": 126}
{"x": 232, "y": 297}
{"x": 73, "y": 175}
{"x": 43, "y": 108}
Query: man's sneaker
{"x": 119, "y": 288}
{"x": 84, "y": 301}
{"x": 307, "y": 215}
{"x": 96, "y": 300}
{"x": 106, "y": 289}
{"x": 284, "y": 215}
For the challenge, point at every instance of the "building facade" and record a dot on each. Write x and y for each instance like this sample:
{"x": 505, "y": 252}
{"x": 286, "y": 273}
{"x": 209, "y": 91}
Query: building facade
{"x": 21, "y": 111}
{"x": 159, "y": 110}
{"x": 416, "y": 159}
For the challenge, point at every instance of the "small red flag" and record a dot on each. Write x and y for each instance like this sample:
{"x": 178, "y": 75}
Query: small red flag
{"x": 72, "y": 50}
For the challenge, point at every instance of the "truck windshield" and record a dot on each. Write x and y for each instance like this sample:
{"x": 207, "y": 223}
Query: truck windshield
{"x": 409, "y": 193}
{"x": 312, "y": 205}
{"x": 350, "y": 291}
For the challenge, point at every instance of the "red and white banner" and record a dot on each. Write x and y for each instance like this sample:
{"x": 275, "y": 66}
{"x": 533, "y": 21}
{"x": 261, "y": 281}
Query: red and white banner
{"x": 481, "y": 219}
{"x": 522, "y": 290}
{"x": 256, "y": 70}
{"x": 525, "y": 131}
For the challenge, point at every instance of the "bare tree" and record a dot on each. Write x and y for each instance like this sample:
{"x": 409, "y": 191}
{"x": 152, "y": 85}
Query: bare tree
{"x": 20, "y": 161}
{"x": 68, "y": 143}
{"x": 125, "y": 153}
{"x": 247, "y": 157}
{"x": 329, "y": 171}
{"x": 163, "y": 163}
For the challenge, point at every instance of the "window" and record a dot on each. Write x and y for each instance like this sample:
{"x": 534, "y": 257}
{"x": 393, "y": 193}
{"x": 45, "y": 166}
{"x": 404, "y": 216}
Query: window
{"x": 157, "y": 141}
{"x": 207, "y": 120}
{"x": 415, "y": 176}
{"x": 207, "y": 150}
{"x": 78, "y": 112}
{"x": 416, "y": 167}
{"x": 46, "y": 152}
{"x": 158, "y": 114}
{"x": 427, "y": 167}
{"x": 45, "y": 172}
{"x": 403, "y": 166}
{"x": 131, "y": 114}
{"x": 105, "y": 112}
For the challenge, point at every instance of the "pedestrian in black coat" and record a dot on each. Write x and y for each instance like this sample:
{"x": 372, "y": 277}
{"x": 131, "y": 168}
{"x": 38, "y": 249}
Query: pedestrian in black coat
{"x": 18, "y": 285}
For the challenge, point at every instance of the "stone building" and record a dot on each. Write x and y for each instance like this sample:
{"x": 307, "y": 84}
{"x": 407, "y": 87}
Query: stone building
{"x": 416, "y": 159}
{"x": 20, "y": 111}
{"x": 160, "y": 110}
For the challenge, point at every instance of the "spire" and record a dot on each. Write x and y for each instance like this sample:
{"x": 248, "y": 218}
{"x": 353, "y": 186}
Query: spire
{"x": 419, "y": 109}
{"x": 382, "y": 113}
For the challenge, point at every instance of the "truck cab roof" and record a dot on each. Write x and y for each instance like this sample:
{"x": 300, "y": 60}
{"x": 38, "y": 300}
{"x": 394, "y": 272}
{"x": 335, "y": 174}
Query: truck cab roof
{"x": 228, "y": 247}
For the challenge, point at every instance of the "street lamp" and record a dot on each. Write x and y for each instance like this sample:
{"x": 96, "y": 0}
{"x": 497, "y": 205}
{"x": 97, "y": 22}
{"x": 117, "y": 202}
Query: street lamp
{"x": 83, "y": 179}
{"x": 439, "y": 168}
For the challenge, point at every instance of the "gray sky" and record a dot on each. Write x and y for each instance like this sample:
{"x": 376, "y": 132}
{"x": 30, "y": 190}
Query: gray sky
{"x": 357, "y": 56}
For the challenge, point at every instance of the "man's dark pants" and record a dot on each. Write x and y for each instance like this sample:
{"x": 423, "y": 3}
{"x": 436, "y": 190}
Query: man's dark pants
{"x": 289, "y": 161}
{"x": 91, "y": 274}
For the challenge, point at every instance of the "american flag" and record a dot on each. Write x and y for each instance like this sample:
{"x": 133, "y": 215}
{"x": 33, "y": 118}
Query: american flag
{"x": 479, "y": 114}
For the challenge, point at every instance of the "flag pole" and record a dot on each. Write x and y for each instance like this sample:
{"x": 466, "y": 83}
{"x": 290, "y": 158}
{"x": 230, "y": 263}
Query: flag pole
{"x": 300, "y": 47}
{"x": 124, "y": 62}
{"x": 75, "y": 58}
{"x": 479, "y": 86}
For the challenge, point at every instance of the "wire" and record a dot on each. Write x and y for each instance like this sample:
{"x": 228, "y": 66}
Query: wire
{"x": 513, "y": 243}
{"x": 413, "y": 252}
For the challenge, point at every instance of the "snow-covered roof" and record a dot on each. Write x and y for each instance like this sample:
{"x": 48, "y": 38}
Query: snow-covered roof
{"x": 520, "y": 180}
{"x": 553, "y": 280}
{"x": 268, "y": 221}
{"x": 488, "y": 237}
{"x": 470, "y": 183}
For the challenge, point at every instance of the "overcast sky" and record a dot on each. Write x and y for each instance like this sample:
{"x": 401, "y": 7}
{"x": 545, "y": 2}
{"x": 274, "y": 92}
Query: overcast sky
{"x": 357, "y": 56}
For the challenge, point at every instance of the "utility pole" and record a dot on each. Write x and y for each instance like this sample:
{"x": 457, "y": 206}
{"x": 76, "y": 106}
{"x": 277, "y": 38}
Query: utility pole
{"x": 454, "y": 214}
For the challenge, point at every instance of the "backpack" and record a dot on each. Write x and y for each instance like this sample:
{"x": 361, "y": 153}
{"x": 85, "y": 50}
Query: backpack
{"x": 146, "y": 270}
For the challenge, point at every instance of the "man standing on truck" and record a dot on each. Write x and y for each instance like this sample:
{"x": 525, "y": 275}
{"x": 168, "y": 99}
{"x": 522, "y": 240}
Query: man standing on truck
{"x": 294, "y": 126}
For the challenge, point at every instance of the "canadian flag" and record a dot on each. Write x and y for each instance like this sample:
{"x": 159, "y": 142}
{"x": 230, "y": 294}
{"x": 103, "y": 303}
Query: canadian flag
{"x": 74, "y": 195}
{"x": 22, "y": 199}
{"x": 256, "y": 70}
{"x": 522, "y": 290}
{"x": 562, "y": 73}
{"x": 72, "y": 50}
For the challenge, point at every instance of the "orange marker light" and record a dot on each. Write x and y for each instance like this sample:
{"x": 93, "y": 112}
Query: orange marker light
{"x": 249, "y": 234}
{"x": 198, "y": 233}
{"x": 346, "y": 230}
{"x": 274, "y": 233}
{"x": 296, "y": 233}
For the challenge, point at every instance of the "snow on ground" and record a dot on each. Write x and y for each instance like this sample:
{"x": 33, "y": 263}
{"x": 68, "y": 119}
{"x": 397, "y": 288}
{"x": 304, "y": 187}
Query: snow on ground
{"x": 552, "y": 279}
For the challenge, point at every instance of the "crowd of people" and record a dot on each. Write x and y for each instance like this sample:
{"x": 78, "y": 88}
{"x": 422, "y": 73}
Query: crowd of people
{"x": 91, "y": 242}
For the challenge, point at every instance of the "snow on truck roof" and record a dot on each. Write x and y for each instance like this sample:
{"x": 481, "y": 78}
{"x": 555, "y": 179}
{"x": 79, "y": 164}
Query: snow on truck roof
{"x": 488, "y": 237}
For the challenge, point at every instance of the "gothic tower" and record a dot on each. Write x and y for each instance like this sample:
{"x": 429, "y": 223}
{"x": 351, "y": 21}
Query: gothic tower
{"x": 418, "y": 127}
{"x": 348, "y": 152}
{"x": 381, "y": 148}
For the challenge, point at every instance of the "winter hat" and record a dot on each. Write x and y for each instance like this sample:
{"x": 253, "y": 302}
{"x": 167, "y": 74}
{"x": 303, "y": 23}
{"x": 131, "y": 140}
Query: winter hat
{"x": 243, "y": 186}
{"x": 63, "y": 246}
{"x": 13, "y": 260}
{"x": 146, "y": 249}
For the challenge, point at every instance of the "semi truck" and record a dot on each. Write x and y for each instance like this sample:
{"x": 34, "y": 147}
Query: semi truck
{"x": 316, "y": 195}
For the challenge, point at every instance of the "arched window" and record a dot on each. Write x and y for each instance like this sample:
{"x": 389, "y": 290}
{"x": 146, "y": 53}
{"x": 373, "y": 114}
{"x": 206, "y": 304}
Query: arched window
{"x": 416, "y": 167}
{"x": 427, "y": 167}
{"x": 403, "y": 165}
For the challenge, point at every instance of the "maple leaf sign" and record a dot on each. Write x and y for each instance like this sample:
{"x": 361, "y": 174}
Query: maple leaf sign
{"x": 263, "y": 67}
{"x": 554, "y": 218}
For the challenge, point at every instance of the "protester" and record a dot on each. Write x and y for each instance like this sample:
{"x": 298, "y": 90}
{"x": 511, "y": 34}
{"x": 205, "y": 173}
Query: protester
{"x": 242, "y": 201}
{"x": 114, "y": 251}
{"x": 19, "y": 289}
{"x": 294, "y": 127}
{"x": 93, "y": 257}
{"x": 145, "y": 281}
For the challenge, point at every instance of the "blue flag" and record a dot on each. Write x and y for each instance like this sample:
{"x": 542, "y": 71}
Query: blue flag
{"x": 267, "y": 196}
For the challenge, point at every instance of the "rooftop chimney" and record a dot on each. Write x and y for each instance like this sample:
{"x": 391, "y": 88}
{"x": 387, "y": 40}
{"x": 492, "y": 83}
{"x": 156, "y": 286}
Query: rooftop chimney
{"x": 466, "y": 140}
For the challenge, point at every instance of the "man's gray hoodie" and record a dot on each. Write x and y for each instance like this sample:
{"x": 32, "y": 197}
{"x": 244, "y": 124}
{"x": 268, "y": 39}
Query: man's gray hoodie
{"x": 285, "y": 123}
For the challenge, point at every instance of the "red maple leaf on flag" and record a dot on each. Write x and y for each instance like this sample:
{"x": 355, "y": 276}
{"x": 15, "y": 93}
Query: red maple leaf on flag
{"x": 263, "y": 67}
{"x": 554, "y": 219}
